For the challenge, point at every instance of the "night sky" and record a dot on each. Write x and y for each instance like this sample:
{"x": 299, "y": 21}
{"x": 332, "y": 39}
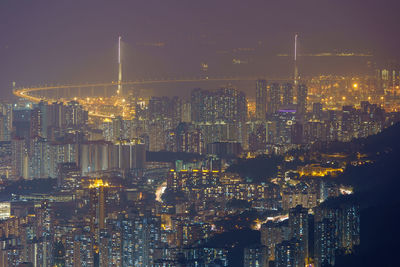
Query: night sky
{"x": 73, "y": 41}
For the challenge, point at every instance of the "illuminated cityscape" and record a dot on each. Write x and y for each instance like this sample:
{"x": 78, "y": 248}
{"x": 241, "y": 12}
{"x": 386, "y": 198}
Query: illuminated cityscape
{"x": 235, "y": 152}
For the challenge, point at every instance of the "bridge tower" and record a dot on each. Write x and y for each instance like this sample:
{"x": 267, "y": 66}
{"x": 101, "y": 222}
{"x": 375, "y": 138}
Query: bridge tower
{"x": 296, "y": 71}
{"x": 119, "y": 90}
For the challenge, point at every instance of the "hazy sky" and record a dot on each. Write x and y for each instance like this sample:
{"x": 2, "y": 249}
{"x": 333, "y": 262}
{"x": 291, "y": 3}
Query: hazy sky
{"x": 71, "y": 41}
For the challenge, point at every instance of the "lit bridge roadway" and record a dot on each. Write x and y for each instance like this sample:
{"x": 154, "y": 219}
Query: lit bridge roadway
{"x": 26, "y": 93}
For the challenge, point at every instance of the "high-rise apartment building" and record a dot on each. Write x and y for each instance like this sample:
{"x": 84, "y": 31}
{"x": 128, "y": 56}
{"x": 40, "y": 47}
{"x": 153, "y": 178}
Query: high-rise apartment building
{"x": 19, "y": 158}
{"x": 325, "y": 242}
{"x": 22, "y": 123}
{"x": 75, "y": 115}
{"x": 288, "y": 253}
{"x": 287, "y": 94}
{"x": 298, "y": 225}
{"x": 302, "y": 92}
{"x": 273, "y": 233}
{"x": 220, "y": 115}
{"x": 337, "y": 226}
{"x": 255, "y": 256}
{"x": 5, "y": 122}
{"x": 274, "y": 98}
{"x": 261, "y": 99}
{"x": 40, "y": 158}
{"x": 317, "y": 111}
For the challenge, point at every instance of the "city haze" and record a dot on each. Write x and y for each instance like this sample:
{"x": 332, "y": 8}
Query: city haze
{"x": 70, "y": 42}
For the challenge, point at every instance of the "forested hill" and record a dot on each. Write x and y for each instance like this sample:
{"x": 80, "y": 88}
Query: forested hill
{"x": 377, "y": 190}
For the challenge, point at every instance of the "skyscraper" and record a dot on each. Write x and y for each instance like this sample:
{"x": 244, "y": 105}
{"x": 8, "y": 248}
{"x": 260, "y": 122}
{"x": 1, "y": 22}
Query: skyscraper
{"x": 36, "y": 122}
{"x": 288, "y": 253}
{"x": 39, "y": 158}
{"x": 188, "y": 139}
{"x": 197, "y": 105}
{"x": 317, "y": 111}
{"x": 302, "y": 92}
{"x": 273, "y": 233}
{"x": 59, "y": 255}
{"x": 287, "y": 94}
{"x": 298, "y": 225}
{"x": 6, "y": 120}
{"x": 325, "y": 242}
{"x": 3, "y": 128}
{"x": 274, "y": 98}
{"x": 147, "y": 237}
{"x": 19, "y": 158}
{"x": 255, "y": 256}
{"x": 337, "y": 226}
{"x": 97, "y": 206}
{"x": 75, "y": 115}
{"x": 284, "y": 120}
{"x": 220, "y": 115}
{"x": 21, "y": 123}
{"x": 261, "y": 99}
{"x": 44, "y": 113}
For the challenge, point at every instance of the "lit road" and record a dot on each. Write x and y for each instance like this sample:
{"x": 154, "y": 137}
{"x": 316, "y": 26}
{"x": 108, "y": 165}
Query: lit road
{"x": 160, "y": 190}
{"x": 26, "y": 93}
{"x": 278, "y": 218}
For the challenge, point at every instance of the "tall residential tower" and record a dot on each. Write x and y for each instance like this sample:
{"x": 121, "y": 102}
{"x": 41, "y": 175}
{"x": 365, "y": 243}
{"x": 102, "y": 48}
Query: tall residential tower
{"x": 261, "y": 99}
